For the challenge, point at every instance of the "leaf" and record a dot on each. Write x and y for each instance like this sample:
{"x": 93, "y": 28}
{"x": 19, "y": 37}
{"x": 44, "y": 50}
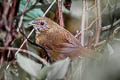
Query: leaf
{"x": 110, "y": 49}
{"x": 28, "y": 65}
{"x": 59, "y": 69}
{"x": 75, "y": 69}
{"x": 34, "y": 49}
{"x": 14, "y": 72}
{"x": 32, "y": 14}
{"x": 32, "y": 67}
{"x": 43, "y": 72}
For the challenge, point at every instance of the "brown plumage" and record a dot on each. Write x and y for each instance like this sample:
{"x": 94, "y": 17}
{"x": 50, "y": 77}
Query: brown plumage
{"x": 58, "y": 42}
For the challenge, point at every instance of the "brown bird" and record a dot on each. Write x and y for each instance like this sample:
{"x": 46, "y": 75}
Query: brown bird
{"x": 58, "y": 42}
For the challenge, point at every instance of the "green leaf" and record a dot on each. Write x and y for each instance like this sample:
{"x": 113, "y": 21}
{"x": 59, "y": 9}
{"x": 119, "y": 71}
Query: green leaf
{"x": 32, "y": 67}
{"x": 75, "y": 69}
{"x": 32, "y": 14}
{"x": 34, "y": 49}
{"x": 59, "y": 69}
{"x": 28, "y": 65}
{"x": 43, "y": 72}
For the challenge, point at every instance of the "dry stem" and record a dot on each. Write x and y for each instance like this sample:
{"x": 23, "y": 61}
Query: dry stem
{"x": 98, "y": 22}
{"x": 60, "y": 13}
{"x": 26, "y": 51}
{"x": 83, "y": 23}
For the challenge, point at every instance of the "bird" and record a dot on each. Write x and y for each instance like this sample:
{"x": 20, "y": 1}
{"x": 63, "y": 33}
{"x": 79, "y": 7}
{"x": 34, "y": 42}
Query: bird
{"x": 58, "y": 42}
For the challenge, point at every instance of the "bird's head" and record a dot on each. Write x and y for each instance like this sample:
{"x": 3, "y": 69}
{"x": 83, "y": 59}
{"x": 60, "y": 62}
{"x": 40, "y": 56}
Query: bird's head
{"x": 40, "y": 24}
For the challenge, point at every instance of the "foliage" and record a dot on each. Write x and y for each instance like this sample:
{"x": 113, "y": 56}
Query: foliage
{"x": 32, "y": 14}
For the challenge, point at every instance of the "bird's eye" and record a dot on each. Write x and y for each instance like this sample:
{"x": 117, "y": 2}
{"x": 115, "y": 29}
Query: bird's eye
{"x": 42, "y": 23}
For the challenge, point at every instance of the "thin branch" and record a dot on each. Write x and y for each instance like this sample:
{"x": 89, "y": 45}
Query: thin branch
{"x": 93, "y": 22}
{"x": 100, "y": 43}
{"x": 26, "y": 51}
{"x": 109, "y": 26}
{"x": 102, "y": 29}
{"x": 87, "y": 28}
{"x": 98, "y": 22}
{"x": 24, "y": 42}
{"x": 60, "y": 13}
{"x": 116, "y": 31}
{"x": 49, "y": 8}
{"x": 86, "y": 16}
{"x": 83, "y": 23}
{"x": 21, "y": 18}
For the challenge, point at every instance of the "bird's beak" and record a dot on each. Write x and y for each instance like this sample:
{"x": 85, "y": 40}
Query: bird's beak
{"x": 31, "y": 23}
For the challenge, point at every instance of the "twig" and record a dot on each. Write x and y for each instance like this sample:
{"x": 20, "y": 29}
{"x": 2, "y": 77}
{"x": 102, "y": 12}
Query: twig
{"x": 91, "y": 24}
{"x": 109, "y": 26}
{"x": 115, "y": 32}
{"x": 33, "y": 29}
{"x": 4, "y": 21}
{"x": 20, "y": 22}
{"x": 27, "y": 51}
{"x": 86, "y": 12}
{"x": 5, "y": 13}
{"x": 87, "y": 28}
{"x": 100, "y": 43}
{"x": 49, "y": 8}
{"x": 83, "y": 23}
{"x": 98, "y": 22}
{"x": 9, "y": 11}
{"x": 21, "y": 18}
{"x": 102, "y": 29}
{"x": 8, "y": 66}
{"x": 24, "y": 42}
{"x": 60, "y": 13}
